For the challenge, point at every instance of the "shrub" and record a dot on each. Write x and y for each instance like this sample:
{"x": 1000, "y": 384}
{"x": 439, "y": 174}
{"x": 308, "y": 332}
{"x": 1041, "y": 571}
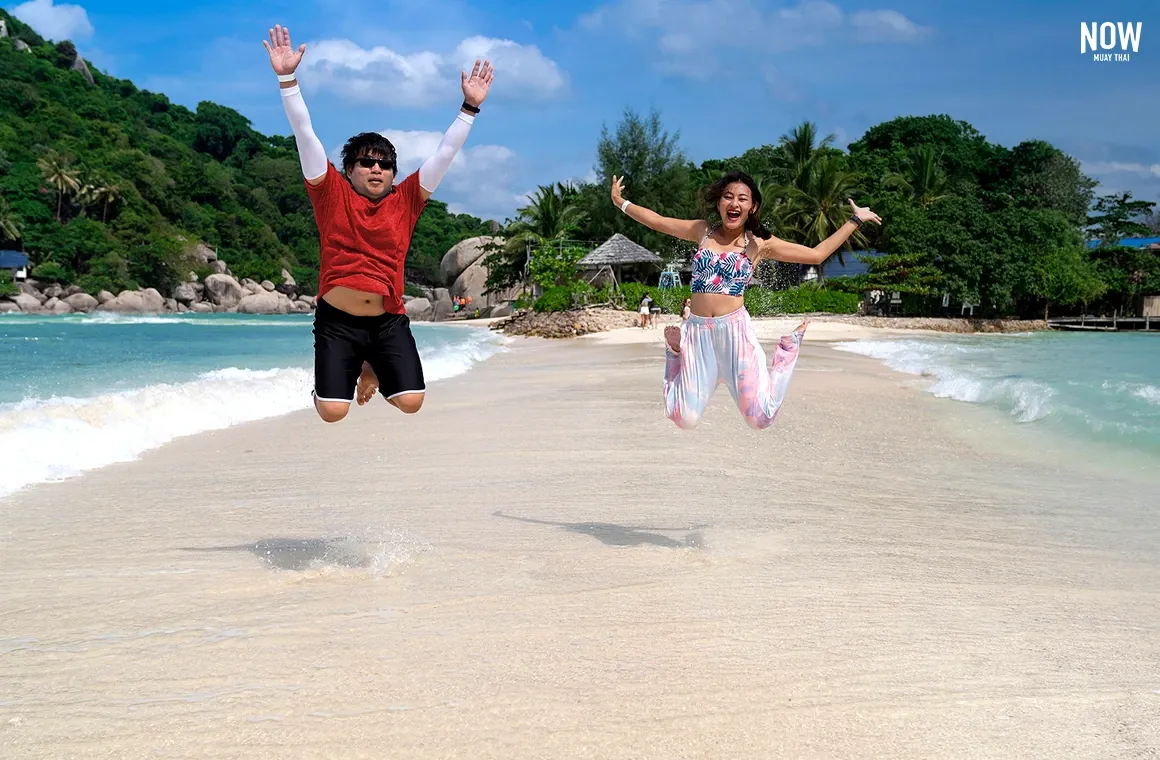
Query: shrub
{"x": 95, "y": 283}
{"x": 761, "y": 302}
{"x": 50, "y": 271}
{"x": 8, "y": 288}
{"x": 671, "y": 299}
{"x": 557, "y": 298}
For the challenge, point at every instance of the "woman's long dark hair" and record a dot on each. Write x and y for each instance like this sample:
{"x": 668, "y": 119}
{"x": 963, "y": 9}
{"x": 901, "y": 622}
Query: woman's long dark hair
{"x": 712, "y": 194}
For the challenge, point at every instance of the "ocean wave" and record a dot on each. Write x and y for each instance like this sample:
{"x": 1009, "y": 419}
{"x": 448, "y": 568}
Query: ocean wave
{"x": 50, "y": 439}
{"x": 195, "y": 320}
{"x": 1142, "y": 391}
{"x": 957, "y": 377}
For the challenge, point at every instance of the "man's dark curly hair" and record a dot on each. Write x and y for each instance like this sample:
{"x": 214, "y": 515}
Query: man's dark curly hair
{"x": 370, "y": 144}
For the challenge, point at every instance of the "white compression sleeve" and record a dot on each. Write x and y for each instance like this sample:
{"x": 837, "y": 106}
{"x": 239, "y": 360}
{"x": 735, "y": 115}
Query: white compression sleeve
{"x": 311, "y": 154}
{"x": 433, "y": 169}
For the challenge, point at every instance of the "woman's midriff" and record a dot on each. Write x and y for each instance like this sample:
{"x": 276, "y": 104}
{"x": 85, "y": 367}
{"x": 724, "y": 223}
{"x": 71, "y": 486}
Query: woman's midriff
{"x": 715, "y": 304}
{"x": 355, "y": 302}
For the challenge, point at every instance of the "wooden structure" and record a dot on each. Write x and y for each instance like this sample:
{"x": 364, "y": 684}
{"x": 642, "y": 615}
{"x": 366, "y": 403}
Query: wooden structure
{"x": 1108, "y": 324}
{"x": 606, "y": 263}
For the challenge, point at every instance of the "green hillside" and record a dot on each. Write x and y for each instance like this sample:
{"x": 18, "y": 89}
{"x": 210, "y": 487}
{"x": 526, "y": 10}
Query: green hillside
{"x": 110, "y": 187}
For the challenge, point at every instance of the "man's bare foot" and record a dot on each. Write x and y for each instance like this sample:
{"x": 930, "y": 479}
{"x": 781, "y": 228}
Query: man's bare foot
{"x": 368, "y": 384}
{"x": 673, "y": 338}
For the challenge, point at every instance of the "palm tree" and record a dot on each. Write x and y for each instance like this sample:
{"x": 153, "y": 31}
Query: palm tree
{"x": 817, "y": 206}
{"x": 798, "y": 150}
{"x": 60, "y": 175}
{"x": 552, "y": 215}
{"x": 101, "y": 192}
{"x": 10, "y": 223}
{"x": 921, "y": 178}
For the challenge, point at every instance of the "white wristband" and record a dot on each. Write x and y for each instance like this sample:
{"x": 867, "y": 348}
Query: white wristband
{"x": 286, "y": 77}
{"x": 624, "y": 206}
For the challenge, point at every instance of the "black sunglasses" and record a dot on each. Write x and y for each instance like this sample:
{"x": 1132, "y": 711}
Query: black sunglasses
{"x": 384, "y": 163}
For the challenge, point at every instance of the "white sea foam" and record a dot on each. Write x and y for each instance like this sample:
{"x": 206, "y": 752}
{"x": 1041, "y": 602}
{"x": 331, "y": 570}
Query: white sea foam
{"x": 49, "y": 439}
{"x": 955, "y": 376}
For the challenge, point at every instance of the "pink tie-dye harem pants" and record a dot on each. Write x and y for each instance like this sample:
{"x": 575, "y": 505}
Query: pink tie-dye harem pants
{"x": 724, "y": 349}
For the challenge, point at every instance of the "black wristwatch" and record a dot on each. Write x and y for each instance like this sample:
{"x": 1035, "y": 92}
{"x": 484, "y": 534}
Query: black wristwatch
{"x": 468, "y": 107}
{"x": 857, "y": 222}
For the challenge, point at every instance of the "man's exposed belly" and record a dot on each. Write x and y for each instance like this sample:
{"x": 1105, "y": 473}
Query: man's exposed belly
{"x": 355, "y": 302}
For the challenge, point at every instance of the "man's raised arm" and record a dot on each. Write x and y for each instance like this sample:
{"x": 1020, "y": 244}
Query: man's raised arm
{"x": 474, "y": 93}
{"x": 285, "y": 59}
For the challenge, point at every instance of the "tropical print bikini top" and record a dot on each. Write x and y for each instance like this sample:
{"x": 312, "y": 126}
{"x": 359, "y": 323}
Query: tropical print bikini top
{"x": 726, "y": 273}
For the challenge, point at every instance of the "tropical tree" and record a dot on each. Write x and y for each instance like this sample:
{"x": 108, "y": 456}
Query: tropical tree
{"x": 1152, "y": 222}
{"x": 10, "y": 224}
{"x": 1064, "y": 276}
{"x": 61, "y": 176}
{"x": 818, "y": 205}
{"x": 101, "y": 192}
{"x": 921, "y": 179}
{"x": 552, "y": 216}
{"x": 797, "y": 152}
{"x": 656, "y": 175}
{"x": 1117, "y": 218}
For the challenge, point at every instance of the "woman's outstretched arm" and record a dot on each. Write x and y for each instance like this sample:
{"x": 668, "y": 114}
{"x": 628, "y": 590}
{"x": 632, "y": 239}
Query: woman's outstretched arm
{"x": 782, "y": 250}
{"x": 685, "y": 229}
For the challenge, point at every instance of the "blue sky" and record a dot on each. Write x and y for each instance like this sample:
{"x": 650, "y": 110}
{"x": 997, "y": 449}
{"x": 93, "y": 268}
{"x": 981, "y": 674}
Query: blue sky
{"x": 728, "y": 74}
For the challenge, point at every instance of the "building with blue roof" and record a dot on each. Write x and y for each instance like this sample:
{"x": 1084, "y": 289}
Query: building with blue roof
{"x": 1131, "y": 242}
{"x": 14, "y": 262}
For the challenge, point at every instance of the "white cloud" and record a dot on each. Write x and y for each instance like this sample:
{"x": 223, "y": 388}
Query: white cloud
{"x": 478, "y": 182}
{"x": 474, "y": 168}
{"x": 56, "y": 22}
{"x": 886, "y": 26}
{"x": 519, "y": 68}
{"x": 382, "y": 76}
{"x": 684, "y": 31}
{"x": 1121, "y": 167}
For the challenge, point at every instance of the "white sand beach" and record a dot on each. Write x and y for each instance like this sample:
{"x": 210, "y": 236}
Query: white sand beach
{"x": 539, "y": 565}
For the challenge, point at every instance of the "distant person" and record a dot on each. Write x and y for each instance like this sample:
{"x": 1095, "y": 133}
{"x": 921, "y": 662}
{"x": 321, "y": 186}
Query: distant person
{"x": 717, "y": 343}
{"x": 362, "y": 336}
{"x": 686, "y": 309}
{"x": 645, "y": 305}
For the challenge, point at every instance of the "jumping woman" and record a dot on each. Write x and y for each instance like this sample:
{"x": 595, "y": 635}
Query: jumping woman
{"x": 717, "y": 344}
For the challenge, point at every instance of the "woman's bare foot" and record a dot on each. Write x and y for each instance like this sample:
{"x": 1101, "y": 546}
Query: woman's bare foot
{"x": 788, "y": 341}
{"x": 673, "y": 338}
{"x": 368, "y": 384}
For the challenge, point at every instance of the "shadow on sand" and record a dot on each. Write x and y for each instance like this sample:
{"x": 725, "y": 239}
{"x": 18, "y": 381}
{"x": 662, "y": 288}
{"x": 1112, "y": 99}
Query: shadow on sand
{"x": 299, "y": 553}
{"x": 623, "y": 535}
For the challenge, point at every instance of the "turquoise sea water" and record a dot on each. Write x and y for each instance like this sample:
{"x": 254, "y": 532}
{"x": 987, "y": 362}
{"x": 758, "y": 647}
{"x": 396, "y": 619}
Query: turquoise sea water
{"x": 1082, "y": 387}
{"x": 84, "y": 391}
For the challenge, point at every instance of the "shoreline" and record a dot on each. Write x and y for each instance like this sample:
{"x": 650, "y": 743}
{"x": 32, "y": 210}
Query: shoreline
{"x": 769, "y": 329}
{"x": 923, "y": 324}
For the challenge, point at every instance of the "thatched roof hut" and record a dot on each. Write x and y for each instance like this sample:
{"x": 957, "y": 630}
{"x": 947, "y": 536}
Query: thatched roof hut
{"x": 617, "y": 253}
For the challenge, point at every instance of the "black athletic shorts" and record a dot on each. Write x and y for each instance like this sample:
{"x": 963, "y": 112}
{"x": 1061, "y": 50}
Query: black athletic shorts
{"x": 342, "y": 342}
